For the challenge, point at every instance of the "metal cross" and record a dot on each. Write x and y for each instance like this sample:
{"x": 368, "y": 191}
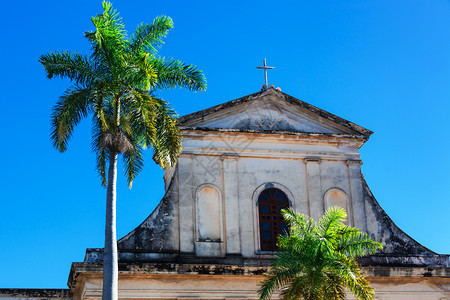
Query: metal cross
{"x": 265, "y": 67}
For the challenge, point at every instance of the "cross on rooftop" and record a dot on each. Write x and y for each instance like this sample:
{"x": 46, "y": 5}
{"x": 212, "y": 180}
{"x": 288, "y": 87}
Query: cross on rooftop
{"x": 265, "y": 67}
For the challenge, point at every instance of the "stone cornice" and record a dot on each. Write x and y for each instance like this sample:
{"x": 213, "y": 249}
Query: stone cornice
{"x": 244, "y": 270}
{"x": 36, "y": 293}
{"x": 272, "y": 154}
{"x": 312, "y": 159}
{"x": 353, "y": 162}
{"x": 232, "y": 131}
{"x": 231, "y": 156}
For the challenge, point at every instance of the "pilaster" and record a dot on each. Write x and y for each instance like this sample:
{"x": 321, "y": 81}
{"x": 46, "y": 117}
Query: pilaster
{"x": 186, "y": 203}
{"x": 315, "y": 200}
{"x": 358, "y": 213}
{"x": 231, "y": 200}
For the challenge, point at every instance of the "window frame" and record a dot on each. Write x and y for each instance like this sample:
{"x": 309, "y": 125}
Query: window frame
{"x": 256, "y": 218}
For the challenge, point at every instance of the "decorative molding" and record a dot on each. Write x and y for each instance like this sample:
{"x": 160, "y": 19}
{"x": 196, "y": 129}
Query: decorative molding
{"x": 353, "y": 162}
{"x": 255, "y": 153}
{"x": 232, "y": 156}
{"x": 312, "y": 159}
{"x": 208, "y": 241}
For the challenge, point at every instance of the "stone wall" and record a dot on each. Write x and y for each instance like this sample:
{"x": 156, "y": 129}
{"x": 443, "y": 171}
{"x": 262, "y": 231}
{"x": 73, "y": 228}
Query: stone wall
{"x": 36, "y": 294}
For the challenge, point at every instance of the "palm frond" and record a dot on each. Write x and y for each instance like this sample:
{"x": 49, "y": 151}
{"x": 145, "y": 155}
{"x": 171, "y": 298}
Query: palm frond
{"x": 108, "y": 41}
{"x": 147, "y": 38}
{"x": 101, "y": 153}
{"x": 331, "y": 220}
{"x": 173, "y": 73}
{"x": 348, "y": 270}
{"x": 296, "y": 289}
{"x": 167, "y": 145}
{"x": 71, "y": 107}
{"x": 299, "y": 224}
{"x": 132, "y": 158}
{"x": 75, "y": 66}
{"x": 363, "y": 290}
{"x": 140, "y": 73}
{"x": 141, "y": 106}
{"x": 133, "y": 162}
{"x": 277, "y": 278}
{"x": 333, "y": 288}
{"x": 356, "y": 244}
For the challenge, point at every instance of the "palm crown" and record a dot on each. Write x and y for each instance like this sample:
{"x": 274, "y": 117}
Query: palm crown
{"x": 318, "y": 260}
{"x": 116, "y": 84}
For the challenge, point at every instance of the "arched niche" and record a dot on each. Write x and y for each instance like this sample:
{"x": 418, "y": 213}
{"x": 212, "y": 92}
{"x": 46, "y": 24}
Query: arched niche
{"x": 337, "y": 197}
{"x": 208, "y": 214}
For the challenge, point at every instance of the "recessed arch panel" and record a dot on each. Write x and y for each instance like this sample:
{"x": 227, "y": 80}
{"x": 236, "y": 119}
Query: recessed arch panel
{"x": 337, "y": 197}
{"x": 208, "y": 214}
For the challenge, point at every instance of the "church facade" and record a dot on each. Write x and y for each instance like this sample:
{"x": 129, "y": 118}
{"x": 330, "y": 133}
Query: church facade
{"x": 213, "y": 234}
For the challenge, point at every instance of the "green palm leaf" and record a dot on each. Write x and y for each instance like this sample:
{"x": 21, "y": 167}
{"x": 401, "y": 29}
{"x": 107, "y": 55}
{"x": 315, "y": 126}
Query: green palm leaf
{"x": 173, "y": 73}
{"x": 147, "y": 38}
{"x": 317, "y": 260}
{"x": 73, "y": 105}
{"x": 167, "y": 144}
{"x": 101, "y": 154}
{"x": 75, "y": 66}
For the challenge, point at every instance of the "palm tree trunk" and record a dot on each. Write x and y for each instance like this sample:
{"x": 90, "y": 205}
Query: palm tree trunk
{"x": 110, "y": 264}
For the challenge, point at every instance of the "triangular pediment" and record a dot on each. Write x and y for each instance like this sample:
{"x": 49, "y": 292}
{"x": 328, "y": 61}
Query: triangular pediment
{"x": 274, "y": 111}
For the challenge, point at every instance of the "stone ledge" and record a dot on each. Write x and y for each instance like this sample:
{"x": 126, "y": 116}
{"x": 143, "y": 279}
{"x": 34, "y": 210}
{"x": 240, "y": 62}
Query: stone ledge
{"x": 135, "y": 256}
{"x": 82, "y": 268}
{"x": 275, "y": 132}
{"x": 390, "y": 260}
{"x": 172, "y": 268}
{"x": 223, "y": 269}
{"x": 380, "y": 271}
{"x": 36, "y": 293}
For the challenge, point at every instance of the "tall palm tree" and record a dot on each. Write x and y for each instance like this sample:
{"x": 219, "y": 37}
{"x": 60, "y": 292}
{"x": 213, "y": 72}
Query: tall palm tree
{"x": 116, "y": 84}
{"x": 318, "y": 260}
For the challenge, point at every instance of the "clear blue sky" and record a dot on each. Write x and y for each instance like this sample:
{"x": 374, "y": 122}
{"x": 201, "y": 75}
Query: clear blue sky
{"x": 384, "y": 65}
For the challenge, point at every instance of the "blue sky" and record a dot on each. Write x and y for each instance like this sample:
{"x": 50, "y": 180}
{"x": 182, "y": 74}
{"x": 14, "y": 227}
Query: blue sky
{"x": 384, "y": 65}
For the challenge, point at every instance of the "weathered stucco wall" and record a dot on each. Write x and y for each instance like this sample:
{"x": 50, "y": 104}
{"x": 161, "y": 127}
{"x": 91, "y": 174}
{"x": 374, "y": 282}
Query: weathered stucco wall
{"x": 305, "y": 169}
{"x": 213, "y": 281}
{"x": 238, "y": 149}
{"x": 159, "y": 232}
{"x": 234, "y": 151}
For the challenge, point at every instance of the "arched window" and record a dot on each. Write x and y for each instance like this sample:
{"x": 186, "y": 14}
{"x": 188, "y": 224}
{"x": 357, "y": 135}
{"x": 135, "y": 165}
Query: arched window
{"x": 271, "y": 223}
